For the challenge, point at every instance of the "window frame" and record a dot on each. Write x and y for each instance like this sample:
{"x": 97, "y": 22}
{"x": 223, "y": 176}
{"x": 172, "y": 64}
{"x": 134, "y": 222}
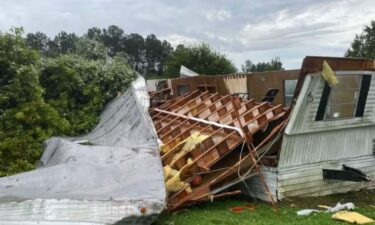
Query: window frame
{"x": 285, "y": 96}
{"x": 363, "y": 90}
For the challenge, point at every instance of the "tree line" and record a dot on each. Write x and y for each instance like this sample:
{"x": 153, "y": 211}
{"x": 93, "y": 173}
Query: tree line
{"x": 148, "y": 55}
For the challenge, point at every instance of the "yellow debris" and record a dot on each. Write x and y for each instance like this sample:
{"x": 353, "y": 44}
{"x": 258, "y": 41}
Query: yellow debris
{"x": 169, "y": 172}
{"x": 172, "y": 176}
{"x": 189, "y": 145}
{"x": 352, "y": 217}
{"x": 165, "y": 149}
{"x": 328, "y": 74}
{"x": 174, "y": 183}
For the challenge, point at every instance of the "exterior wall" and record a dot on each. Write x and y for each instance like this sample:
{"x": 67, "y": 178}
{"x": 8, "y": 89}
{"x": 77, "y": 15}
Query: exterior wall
{"x": 258, "y": 83}
{"x": 307, "y": 180}
{"x": 309, "y": 146}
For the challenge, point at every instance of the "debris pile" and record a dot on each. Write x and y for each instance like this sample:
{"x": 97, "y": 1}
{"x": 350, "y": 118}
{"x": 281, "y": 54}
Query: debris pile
{"x": 211, "y": 142}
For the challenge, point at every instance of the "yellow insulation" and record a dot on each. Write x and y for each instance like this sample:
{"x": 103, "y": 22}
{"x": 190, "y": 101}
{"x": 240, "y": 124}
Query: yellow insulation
{"x": 328, "y": 74}
{"x": 190, "y": 143}
{"x": 172, "y": 176}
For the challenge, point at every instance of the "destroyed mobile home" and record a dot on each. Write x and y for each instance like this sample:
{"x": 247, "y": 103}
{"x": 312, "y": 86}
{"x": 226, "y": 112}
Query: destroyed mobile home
{"x": 322, "y": 144}
{"x": 213, "y": 143}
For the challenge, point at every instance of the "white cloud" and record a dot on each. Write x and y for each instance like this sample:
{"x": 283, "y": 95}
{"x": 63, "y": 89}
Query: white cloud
{"x": 176, "y": 39}
{"x": 218, "y": 15}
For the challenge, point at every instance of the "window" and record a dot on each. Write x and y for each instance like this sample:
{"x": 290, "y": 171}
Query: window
{"x": 289, "y": 88}
{"x": 347, "y": 99}
{"x": 343, "y": 98}
{"x": 182, "y": 89}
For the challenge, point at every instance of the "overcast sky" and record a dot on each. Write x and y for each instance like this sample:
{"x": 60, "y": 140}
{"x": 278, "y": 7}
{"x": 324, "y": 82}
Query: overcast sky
{"x": 243, "y": 29}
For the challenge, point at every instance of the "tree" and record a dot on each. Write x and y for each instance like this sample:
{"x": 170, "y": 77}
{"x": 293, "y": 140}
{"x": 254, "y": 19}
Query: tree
{"x": 91, "y": 49}
{"x": 66, "y": 42}
{"x": 274, "y": 65}
{"x": 112, "y": 38}
{"x": 115, "y": 77}
{"x": 166, "y": 50}
{"x": 153, "y": 51}
{"x": 94, "y": 33}
{"x": 37, "y": 41}
{"x": 201, "y": 59}
{"x": 25, "y": 119}
{"x": 134, "y": 46}
{"x": 363, "y": 45}
{"x": 69, "y": 83}
{"x": 248, "y": 66}
{"x": 53, "y": 49}
{"x": 145, "y": 55}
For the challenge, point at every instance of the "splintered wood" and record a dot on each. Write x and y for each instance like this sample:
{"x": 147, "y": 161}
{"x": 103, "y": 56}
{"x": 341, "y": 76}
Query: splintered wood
{"x": 204, "y": 150}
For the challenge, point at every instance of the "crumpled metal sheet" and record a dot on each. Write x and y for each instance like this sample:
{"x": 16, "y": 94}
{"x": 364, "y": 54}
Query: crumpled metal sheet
{"x": 112, "y": 174}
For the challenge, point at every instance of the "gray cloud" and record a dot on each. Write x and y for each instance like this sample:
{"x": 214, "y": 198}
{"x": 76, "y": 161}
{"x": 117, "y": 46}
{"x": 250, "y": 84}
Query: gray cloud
{"x": 243, "y": 29}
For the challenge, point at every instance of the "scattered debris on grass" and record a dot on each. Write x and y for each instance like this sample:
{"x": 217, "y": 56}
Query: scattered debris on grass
{"x": 240, "y": 209}
{"x": 306, "y": 212}
{"x": 352, "y": 217}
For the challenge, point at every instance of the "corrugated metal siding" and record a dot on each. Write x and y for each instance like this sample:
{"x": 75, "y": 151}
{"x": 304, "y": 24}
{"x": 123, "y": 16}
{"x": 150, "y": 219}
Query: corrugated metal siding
{"x": 324, "y": 146}
{"x": 309, "y": 141}
{"x": 307, "y": 180}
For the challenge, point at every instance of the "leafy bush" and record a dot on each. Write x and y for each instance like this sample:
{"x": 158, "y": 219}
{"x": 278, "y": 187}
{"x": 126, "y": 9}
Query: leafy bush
{"x": 25, "y": 119}
{"x": 52, "y": 96}
{"x": 78, "y": 88}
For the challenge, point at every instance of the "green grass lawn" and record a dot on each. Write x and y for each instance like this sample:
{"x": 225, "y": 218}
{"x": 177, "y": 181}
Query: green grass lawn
{"x": 218, "y": 212}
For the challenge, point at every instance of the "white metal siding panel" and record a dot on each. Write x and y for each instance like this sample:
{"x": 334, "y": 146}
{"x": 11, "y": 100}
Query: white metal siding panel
{"x": 324, "y": 146}
{"x": 308, "y": 180}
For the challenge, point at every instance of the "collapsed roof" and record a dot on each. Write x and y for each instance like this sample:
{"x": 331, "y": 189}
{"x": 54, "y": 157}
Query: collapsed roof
{"x": 211, "y": 142}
